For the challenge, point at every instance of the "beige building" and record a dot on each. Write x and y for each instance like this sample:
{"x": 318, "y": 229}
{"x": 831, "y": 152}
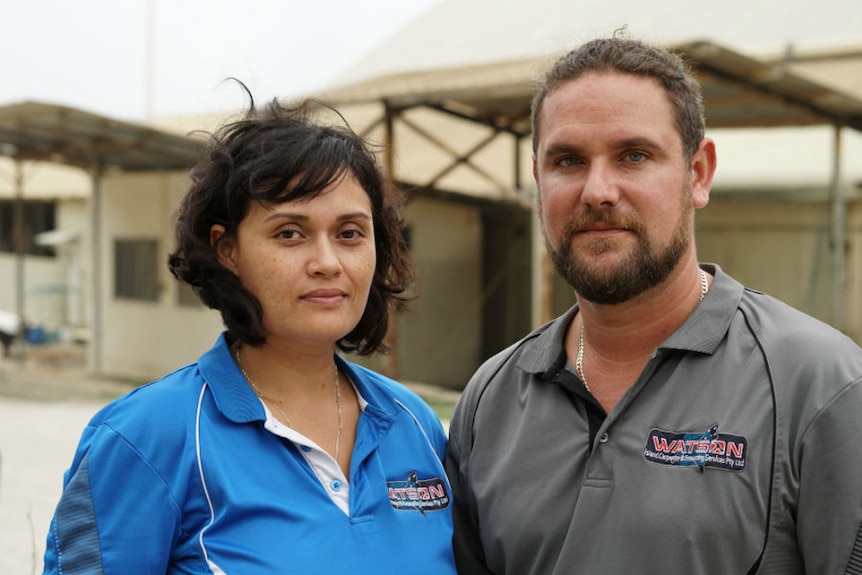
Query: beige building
{"x": 453, "y": 112}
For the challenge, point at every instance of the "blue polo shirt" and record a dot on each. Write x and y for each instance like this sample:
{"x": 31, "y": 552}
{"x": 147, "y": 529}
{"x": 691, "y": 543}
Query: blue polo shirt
{"x": 185, "y": 475}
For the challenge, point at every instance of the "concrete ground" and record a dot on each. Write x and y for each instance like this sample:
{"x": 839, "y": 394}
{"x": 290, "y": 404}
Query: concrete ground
{"x": 46, "y": 399}
{"x": 44, "y": 406}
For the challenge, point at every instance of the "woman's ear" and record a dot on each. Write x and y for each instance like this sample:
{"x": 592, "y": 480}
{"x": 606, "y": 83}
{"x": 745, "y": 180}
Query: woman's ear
{"x": 224, "y": 245}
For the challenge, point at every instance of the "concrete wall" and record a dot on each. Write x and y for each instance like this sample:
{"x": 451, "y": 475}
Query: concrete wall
{"x": 142, "y": 340}
{"x": 439, "y": 340}
{"x": 784, "y": 249}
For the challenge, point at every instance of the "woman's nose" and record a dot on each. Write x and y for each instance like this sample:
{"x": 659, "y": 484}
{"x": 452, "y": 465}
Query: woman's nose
{"x": 324, "y": 258}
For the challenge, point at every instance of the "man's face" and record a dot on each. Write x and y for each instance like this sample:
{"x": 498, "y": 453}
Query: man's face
{"x": 615, "y": 191}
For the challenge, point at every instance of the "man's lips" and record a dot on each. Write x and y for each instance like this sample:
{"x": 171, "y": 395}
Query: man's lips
{"x": 601, "y": 228}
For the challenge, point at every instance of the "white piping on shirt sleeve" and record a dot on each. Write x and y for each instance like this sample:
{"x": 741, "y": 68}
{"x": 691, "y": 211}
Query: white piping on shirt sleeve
{"x": 213, "y": 567}
{"x": 424, "y": 434}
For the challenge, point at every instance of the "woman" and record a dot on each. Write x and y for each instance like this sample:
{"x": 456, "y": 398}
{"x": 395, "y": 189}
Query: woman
{"x": 271, "y": 454}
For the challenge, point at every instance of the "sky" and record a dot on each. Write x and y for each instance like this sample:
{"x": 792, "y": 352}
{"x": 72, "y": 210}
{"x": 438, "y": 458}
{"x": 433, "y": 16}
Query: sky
{"x": 142, "y": 59}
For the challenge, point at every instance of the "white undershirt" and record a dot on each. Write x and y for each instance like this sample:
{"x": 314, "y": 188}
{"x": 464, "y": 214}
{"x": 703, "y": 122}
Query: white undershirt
{"x": 325, "y": 468}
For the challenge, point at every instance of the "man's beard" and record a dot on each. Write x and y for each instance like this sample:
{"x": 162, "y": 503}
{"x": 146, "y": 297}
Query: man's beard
{"x": 632, "y": 276}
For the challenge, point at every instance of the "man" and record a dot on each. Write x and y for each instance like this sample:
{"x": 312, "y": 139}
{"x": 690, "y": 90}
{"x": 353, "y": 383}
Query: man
{"x": 673, "y": 421}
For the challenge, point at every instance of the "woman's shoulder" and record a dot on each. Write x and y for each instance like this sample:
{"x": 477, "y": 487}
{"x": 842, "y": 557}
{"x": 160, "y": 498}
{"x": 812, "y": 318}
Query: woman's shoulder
{"x": 376, "y": 383}
{"x": 160, "y": 405}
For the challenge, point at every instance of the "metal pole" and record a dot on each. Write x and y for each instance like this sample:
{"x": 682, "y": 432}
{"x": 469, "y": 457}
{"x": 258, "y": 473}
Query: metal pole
{"x": 839, "y": 233}
{"x": 391, "y": 359}
{"x": 18, "y": 225}
{"x": 542, "y": 292}
{"x": 150, "y": 56}
{"x": 95, "y": 345}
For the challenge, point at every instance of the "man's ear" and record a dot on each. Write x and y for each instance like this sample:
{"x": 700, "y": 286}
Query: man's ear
{"x": 703, "y": 166}
{"x": 224, "y": 245}
{"x": 535, "y": 170}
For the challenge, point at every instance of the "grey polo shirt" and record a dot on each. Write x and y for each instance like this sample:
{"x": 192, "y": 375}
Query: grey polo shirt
{"x": 735, "y": 451}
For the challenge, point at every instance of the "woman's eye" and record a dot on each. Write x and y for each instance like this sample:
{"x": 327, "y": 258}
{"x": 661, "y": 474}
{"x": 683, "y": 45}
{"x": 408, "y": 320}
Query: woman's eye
{"x": 288, "y": 234}
{"x": 351, "y": 234}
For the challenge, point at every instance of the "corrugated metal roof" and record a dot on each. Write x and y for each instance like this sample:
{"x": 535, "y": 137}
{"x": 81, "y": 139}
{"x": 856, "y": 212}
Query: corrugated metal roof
{"x": 49, "y": 132}
{"x": 742, "y": 92}
{"x": 739, "y": 91}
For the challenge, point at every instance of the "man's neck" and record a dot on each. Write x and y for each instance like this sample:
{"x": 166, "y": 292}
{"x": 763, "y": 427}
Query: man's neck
{"x": 618, "y": 340}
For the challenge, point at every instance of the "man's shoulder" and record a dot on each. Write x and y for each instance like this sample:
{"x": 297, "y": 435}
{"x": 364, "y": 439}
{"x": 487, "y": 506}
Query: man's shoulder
{"x": 526, "y": 344}
{"x": 778, "y": 323}
{"x": 533, "y": 353}
{"x": 798, "y": 346}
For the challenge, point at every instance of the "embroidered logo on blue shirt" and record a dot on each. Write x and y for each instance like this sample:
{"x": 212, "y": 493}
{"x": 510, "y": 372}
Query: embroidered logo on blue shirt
{"x": 414, "y": 494}
{"x": 707, "y": 449}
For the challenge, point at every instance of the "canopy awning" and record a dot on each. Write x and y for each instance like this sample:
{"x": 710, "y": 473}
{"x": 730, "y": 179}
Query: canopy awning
{"x": 53, "y": 133}
{"x": 739, "y": 91}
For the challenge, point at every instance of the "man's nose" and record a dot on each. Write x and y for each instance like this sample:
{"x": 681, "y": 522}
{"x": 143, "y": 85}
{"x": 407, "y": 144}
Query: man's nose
{"x": 600, "y": 186}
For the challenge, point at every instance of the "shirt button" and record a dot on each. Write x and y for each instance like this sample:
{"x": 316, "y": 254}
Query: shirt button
{"x": 604, "y": 438}
{"x": 305, "y": 448}
{"x": 335, "y": 485}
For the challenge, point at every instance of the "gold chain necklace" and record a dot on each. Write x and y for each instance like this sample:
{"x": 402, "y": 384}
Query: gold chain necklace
{"x": 579, "y": 360}
{"x": 278, "y": 403}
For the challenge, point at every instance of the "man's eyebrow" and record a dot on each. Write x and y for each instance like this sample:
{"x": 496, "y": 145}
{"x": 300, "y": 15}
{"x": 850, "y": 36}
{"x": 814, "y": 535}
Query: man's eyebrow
{"x": 629, "y": 143}
{"x": 561, "y": 148}
{"x": 623, "y": 143}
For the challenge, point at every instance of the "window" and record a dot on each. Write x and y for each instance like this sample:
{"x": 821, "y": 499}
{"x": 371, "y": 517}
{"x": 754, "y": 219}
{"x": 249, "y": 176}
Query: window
{"x": 136, "y": 269}
{"x": 38, "y": 216}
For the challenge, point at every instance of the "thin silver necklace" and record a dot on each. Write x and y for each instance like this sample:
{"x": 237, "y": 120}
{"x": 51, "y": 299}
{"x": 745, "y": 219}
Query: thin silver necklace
{"x": 277, "y": 403}
{"x": 579, "y": 360}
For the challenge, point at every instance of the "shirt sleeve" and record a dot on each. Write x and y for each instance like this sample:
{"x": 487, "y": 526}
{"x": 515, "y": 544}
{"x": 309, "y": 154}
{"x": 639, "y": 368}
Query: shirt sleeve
{"x": 829, "y": 514}
{"x": 467, "y": 546}
{"x": 115, "y": 515}
{"x": 437, "y": 434}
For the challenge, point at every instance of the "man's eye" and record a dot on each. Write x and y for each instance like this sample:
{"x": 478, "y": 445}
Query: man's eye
{"x": 569, "y": 161}
{"x": 636, "y": 157}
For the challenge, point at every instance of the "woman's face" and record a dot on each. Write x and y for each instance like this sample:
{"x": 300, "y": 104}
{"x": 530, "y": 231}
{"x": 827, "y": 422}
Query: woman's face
{"x": 310, "y": 263}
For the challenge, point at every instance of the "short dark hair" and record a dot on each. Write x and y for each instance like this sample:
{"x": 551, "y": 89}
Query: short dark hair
{"x": 255, "y": 159}
{"x": 627, "y": 56}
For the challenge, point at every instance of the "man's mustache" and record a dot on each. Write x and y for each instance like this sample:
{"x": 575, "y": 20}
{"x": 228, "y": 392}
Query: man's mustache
{"x": 605, "y": 218}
